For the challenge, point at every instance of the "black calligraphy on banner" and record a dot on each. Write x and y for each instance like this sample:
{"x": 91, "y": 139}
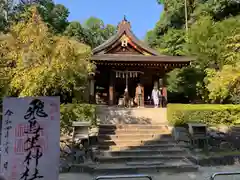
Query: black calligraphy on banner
{"x": 7, "y": 127}
{"x": 32, "y": 145}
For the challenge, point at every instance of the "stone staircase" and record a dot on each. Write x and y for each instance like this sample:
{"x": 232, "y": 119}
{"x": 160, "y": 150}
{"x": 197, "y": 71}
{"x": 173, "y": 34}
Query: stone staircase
{"x": 138, "y": 148}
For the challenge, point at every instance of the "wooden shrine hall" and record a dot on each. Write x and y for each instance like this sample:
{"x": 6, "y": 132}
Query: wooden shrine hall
{"x": 124, "y": 62}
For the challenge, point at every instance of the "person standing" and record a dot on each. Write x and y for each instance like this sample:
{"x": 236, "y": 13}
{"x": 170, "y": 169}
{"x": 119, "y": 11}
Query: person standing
{"x": 139, "y": 93}
{"x": 160, "y": 97}
{"x": 155, "y": 96}
{"x": 126, "y": 98}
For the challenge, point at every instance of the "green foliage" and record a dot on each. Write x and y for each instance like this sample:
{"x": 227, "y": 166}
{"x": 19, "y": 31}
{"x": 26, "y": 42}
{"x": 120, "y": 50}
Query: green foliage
{"x": 54, "y": 15}
{"x": 232, "y": 48}
{"x": 93, "y": 32}
{"x": 5, "y": 9}
{"x": 213, "y": 39}
{"x": 45, "y": 64}
{"x": 150, "y": 38}
{"x": 208, "y": 40}
{"x": 172, "y": 43}
{"x": 94, "y": 23}
{"x": 180, "y": 114}
{"x": 160, "y": 1}
{"x": 183, "y": 82}
{"x": 76, "y": 112}
{"x": 223, "y": 84}
{"x": 75, "y": 30}
{"x": 219, "y": 10}
{"x": 96, "y": 32}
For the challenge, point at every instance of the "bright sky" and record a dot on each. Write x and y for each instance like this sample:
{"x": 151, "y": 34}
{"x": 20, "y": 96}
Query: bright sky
{"x": 143, "y": 14}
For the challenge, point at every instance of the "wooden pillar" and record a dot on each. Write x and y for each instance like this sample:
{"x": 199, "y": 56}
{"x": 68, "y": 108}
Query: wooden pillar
{"x": 111, "y": 94}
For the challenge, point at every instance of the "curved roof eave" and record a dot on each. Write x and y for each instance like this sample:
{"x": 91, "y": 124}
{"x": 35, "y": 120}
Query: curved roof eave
{"x": 107, "y": 43}
{"x": 116, "y": 37}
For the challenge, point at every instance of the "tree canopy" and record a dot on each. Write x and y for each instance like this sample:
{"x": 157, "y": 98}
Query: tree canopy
{"x": 42, "y": 53}
{"x": 44, "y": 63}
{"x": 92, "y": 32}
{"x": 213, "y": 41}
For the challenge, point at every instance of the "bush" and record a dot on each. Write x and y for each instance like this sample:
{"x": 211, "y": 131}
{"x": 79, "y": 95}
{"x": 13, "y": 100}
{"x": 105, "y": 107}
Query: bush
{"x": 76, "y": 112}
{"x": 210, "y": 114}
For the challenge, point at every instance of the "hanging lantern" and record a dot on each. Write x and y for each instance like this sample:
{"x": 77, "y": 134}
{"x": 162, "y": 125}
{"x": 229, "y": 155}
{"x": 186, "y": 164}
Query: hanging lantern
{"x": 130, "y": 74}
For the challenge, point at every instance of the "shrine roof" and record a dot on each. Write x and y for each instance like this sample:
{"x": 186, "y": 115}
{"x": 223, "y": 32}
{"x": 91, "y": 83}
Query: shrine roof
{"x": 125, "y": 46}
{"x": 124, "y": 28}
{"x": 139, "y": 58}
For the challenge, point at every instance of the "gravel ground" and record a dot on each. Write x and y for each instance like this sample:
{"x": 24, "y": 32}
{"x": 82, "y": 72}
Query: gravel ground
{"x": 204, "y": 173}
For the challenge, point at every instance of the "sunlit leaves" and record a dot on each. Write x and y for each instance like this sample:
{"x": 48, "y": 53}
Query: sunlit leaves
{"x": 208, "y": 41}
{"x": 96, "y": 32}
{"x": 222, "y": 84}
{"x": 45, "y": 64}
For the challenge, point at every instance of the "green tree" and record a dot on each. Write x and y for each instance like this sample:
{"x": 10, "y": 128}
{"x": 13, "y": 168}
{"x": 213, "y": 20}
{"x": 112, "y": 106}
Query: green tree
{"x": 75, "y": 30}
{"x": 45, "y": 64}
{"x": 218, "y": 10}
{"x": 232, "y": 48}
{"x": 184, "y": 83}
{"x": 224, "y": 84}
{"x": 96, "y": 32}
{"x": 212, "y": 40}
{"x": 207, "y": 41}
{"x": 173, "y": 43}
{"x": 5, "y": 10}
{"x": 54, "y": 15}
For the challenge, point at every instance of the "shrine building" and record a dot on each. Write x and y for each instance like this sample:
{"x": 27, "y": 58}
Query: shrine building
{"x": 123, "y": 61}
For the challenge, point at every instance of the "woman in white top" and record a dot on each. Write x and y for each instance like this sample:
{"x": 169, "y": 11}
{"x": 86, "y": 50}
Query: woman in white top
{"x": 155, "y": 96}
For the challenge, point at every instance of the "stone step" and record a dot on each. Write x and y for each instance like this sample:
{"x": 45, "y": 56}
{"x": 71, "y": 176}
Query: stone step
{"x": 113, "y": 169}
{"x": 143, "y": 147}
{"x": 139, "y": 126}
{"x": 134, "y": 142}
{"x": 133, "y": 131}
{"x": 133, "y": 152}
{"x": 149, "y": 158}
{"x": 133, "y": 136}
{"x": 143, "y": 163}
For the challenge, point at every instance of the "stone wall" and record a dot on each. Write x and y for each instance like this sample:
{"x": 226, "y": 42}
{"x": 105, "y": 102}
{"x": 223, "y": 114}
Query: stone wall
{"x": 220, "y": 137}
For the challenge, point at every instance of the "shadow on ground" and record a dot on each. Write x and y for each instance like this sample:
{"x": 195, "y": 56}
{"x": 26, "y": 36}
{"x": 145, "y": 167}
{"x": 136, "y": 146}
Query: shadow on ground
{"x": 148, "y": 149}
{"x": 120, "y": 116}
{"x": 223, "y": 146}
